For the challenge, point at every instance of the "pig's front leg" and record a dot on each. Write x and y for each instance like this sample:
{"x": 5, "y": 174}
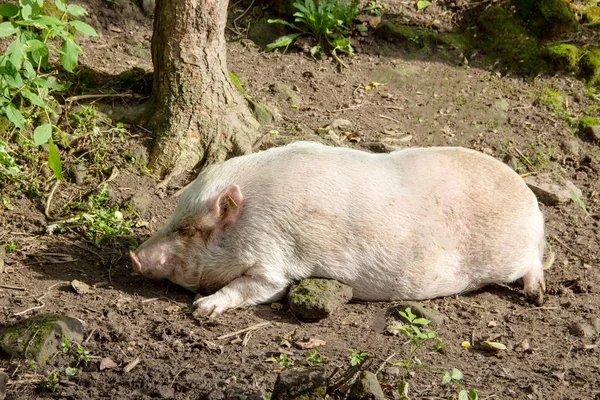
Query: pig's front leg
{"x": 251, "y": 288}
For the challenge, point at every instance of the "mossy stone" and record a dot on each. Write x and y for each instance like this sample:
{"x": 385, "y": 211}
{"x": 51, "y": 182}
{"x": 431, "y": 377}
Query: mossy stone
{"x": 562, "y": 56}
{"x": 547, "y": 18}
{"x": 589, "y": 65}
{"x": 315, "y": 299}
{"x": 39, "y": 337}
{"x": 504, "y": 38}
{"x": 262, "y": 113}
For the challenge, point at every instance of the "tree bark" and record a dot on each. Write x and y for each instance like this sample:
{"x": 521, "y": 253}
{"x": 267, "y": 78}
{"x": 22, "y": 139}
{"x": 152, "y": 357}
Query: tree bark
{"x": 196, "y": 113}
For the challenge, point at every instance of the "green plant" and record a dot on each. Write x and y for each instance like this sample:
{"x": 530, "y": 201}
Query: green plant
{"x": 65, "y": 345}
{"x": 26, "y": 79}
{"x": 579, "y": 201}
{"x": 9, "y": 170}
{"x": 418, "y": 335}
{"x": 375, "y": 8}
{"x": 357, "y": 357}
{"x": 330, "y": 20}
{"x": 284, "y": 361}
{"x": 314, "y": 358}
{"x": 51, "y": 380}
{"x": 82, "y": 354}
{"x": 71, "y": 371}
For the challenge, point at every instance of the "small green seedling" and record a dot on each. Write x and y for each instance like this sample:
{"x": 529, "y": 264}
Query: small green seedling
{"x": 314, "y": 358}
{"x": 65, "y": 345}
{"x": 357, "y": 357}
{"x": 71, "y": 371}
{"x": 284, "y": 361}
{"x": 578, "y": 200}
{"x": 82, "y": 354}
{"x": 51, "y": 381}
{"x": 375, "y": 8}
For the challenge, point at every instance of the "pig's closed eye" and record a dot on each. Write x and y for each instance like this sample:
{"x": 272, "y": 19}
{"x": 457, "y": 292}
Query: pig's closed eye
{"x": 187, "y": 231}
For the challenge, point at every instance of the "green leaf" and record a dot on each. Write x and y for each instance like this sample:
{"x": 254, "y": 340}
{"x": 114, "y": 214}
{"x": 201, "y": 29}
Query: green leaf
{"x": 15, "y": 49}
{"x": 421, "y": 4}
{"x": 463, "y": 395}
{"x": 83, "y": 28}
{"x": 69, "y": 52}
{"x": 60, "y": 4}
{"x": 578, "y": 200}
{"x": 280, "y": 21}
{"x": 33, "y": 98}
{"x": 420, "y": 321}
{"x": 54, "y": 160}
{"x": 71, "y": 371}
{"x": 456, "y": 374}
{"x": 9, "y": 10}
{"x": 39, "y": 55}
{"x": 30, "y": 73}
{"x": 446, "y": 378}
{"x": 30, "y": 8}
{"x": 282, "y": 41}
{"x": 8, "y": 28}
{"x": 15, "y": 116}
{"x": 47, "y": 21}
{"x": 14, "y": 80}
{"x": 53, "y": 83}
{"x": 42, "y": 134}
{"x": 76, "y": 11}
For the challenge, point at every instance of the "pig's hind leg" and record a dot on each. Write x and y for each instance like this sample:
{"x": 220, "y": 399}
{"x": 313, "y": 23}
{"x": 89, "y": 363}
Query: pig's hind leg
{"x": 255, "y": 286}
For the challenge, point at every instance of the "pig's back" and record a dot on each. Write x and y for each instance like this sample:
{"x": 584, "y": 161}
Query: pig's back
{"x": 418, "y": 223}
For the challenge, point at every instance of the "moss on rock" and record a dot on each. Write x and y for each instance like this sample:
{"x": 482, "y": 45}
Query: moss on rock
{"x": 589, "y": 65}
{"x": 547, "y": 18}
{"x": 504, "y": 38}
{"x": 562, "y": 56}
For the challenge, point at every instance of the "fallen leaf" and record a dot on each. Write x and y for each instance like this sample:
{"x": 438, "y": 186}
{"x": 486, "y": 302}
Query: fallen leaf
{"x": 107, "y": 363}
{"x": 495, "y": 346}
{"x": 309, "y": 344}
{"x": 80, "y": 287}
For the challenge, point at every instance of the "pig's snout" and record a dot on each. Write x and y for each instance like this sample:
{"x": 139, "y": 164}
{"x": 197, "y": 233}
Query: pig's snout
{"x": 135, "y": 262}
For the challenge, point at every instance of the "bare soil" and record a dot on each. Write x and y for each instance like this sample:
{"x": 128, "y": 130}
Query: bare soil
{"x": 426, "y": 100}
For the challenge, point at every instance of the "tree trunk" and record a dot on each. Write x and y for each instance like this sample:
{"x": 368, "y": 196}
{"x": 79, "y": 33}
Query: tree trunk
{"x": 196, "y": 113}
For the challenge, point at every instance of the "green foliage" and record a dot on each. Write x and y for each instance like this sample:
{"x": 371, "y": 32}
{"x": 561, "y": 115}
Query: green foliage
{"x": 284, "y": 361}
{"x": 357, "y": 357}
{"x": 26, "y": 81}
{"x": 51, "y": 381}
{"x": 563, "y": 56}
{"x": 71, "y": 371}
{"x": 329, "y": 22}
{"x": 547, "y": 18}
{"x": 82, "y": 354}
{"x": 314, "y": 358}
{"x": 590, "y": 65}
{"x": 9, "y": 170}
{"x": 583, "y": 122}
{"x": 375, "y": 8}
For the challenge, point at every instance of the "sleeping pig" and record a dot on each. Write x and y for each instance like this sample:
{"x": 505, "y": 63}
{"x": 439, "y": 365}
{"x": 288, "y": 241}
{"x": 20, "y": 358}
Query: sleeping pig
{"x": 413, "y": 224}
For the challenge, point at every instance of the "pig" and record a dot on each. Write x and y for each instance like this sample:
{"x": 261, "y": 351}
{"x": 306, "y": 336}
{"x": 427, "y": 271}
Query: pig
{"x": 413, "y": 224}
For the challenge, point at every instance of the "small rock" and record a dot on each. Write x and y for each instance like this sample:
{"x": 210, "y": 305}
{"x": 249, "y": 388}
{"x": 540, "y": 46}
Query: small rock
{"x": 40, "y": 337}
{"x": 284, "y": 93}
{"x": 366, "y": 387}
{"x": 586, "y": 328}
{"x": 309, "y": 344}
{"x": 393, "y": 371}
{"x": 549, "y": 191}
{"x": 140, "y": 202}
{"x": 591, "y": 132}
{"x": 514, "y": 163}
{"x": 572, "y": 147}
{"x": 340, "y": 124}
{"x": 80, "y": 287}
{"x": 131, "y": 365}
{"x": 501, "y": 105}
{"x": 315, "y": 299}
{"x": 334, "y": 138}
{"x": 436, "y": 318}
{"x": 305, "y": 384}
{"x": 166, "y": 392}
{"x": 79, "y": 173}
{"x": 148, "y": 6}
{"x": 107, "y": 363}
{"x": 2, "y": 257}
{"x": 523, "y": 345}
{"x": 263, "y": 114}
{"x": 304, "y": 130}
{"x": 494, "y": 346}
{"x": 3, "y": 384}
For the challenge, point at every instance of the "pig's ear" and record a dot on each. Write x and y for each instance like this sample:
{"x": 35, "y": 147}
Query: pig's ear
{"x": 228, "y": 206}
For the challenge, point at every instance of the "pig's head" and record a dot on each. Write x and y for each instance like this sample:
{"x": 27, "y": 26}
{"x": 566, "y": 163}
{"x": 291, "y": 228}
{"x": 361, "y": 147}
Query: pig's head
{"x": 188, "y": 243}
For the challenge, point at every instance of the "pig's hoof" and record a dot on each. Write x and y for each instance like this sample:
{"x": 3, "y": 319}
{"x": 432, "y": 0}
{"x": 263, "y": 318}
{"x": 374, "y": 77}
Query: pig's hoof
{"x": 207, "y": 307}
{"x": 536, "y": 296}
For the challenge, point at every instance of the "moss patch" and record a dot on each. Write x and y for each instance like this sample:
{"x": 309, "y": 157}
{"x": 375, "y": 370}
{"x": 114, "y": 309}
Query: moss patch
{"x": 589, "y": 66}
{"x": 588, "y": 121}
{"x": 504, "y": 38}
{"x": 547, "y": 18}
{"x": 562, "y": 56}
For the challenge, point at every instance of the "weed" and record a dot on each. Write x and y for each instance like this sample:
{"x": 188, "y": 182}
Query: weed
{"x": 26, "y": 79}
{"x": 579, "y": 201}
{"x": 375, "y": 8}
{"x": 357, "y": 357}
{"x": 71, "y": 371}
{"x": 65, "y": 345}
{"x": 284, "y": 361}
{"x": 314, "y": 358}
{"x": 51, "y": 381}
{"x": 82, "y": 354}
{"x": 9, "y": 170}
{"x": 329, "y": 21}
{"x": 418, "y": 336}
{"x": 11, "y": 247}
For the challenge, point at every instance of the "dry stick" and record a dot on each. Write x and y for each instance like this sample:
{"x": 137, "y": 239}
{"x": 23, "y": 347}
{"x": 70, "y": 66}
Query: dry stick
{"x": 40, "y": 300}
{"x": 389, "y": 118}
{"x": 89, "y": 336}
{"x": 179, "y": 373}
{"x": 100, "y": 96}
{"x": 383, "y": 363}
{"x": 542, "y": 308}
{"x": 584, "y": 258}
{"x": 524, "y": 158}
{"x": 49, "y": 200}
{"x": 347, "y": 108}
{"x": 395, "y": 108}
{"x": 12, "y": 287}
{"x": 250, "y": 328}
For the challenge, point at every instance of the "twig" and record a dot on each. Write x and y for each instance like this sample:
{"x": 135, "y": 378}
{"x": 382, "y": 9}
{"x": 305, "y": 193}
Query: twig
{"x": 89, "y": 336}
{"x": 542, "y": 308}
{"x": 395, "y": 108}
{"x": 49, "y": 200}
{"x": 179, "y": 373}
{"x": 524, "y": 158}
{"x": 335, "y": 56}
{"x": 347, "y": 108}
{"x": 250, "y": 328}
{"x": 389, "y": 118}
{"x": 100, "y": 96}
{"x": 40, "y": 300}
{"x": 12, "y": 287}
{"x": 584, "y": 258}
{"x": 383, "y": 363}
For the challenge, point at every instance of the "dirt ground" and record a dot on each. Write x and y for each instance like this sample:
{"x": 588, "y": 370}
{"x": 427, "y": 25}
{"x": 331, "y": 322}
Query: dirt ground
{"x": 425, "y": 99}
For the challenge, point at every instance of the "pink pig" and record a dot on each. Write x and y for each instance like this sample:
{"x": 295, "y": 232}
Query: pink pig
{"x": 413, "y": 224}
